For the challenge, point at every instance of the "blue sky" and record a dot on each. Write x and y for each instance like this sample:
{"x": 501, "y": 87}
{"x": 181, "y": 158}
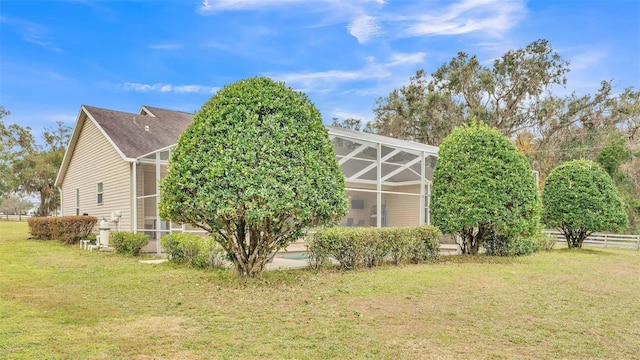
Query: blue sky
{"x": 58, "y": 55}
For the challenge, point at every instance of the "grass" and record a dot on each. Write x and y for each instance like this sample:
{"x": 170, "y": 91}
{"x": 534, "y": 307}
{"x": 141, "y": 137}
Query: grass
{"x": 60, "y": 302}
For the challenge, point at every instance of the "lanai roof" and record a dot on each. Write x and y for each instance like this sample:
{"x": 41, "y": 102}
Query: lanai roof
{"x": 411, "y": 145}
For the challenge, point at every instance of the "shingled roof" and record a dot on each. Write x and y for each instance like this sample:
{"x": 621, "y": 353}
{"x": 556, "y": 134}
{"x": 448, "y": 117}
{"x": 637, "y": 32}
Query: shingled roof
{"x": 136, "y": 134}
{"x": 132, "y": 135}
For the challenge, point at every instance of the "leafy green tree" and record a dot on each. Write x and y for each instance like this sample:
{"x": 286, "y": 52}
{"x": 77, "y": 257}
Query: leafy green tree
{"x": 614, "y": 153}
{"x": 505, "y": 96}
{"x": 27, "y": 166}
{"x": 514, "y": 94}
{"x": 254, "y": 169}
{"x": 417, "y": 112}
{"x": 580, "y": 198}
{"x": 9, "y": 137}
{"x": 4, "y": 168}
{"x": 575, "y": 127}
{"x": 352, "y": 124}
{"x": 37, "y": 169}
{"x": 14, "y": 204}
{"x": 482, "y": 187}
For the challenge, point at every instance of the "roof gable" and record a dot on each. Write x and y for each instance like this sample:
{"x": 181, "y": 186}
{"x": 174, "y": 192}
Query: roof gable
{"x": 132, "y": 135}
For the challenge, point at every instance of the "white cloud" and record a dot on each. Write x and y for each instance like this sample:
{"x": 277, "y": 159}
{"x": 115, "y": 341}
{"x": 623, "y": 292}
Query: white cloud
{"x": 222, "y": 5}
{"x": 402, "y": 59}
{"x": 587, "y": 60}
{"x": 347, "y": 114}
{"x": 493, "y": 17}
{"x": 32, "y": 32}
{"x": 167, "y": 46}
{"x": 364, "y": 28}
{"x": 365, "y": 18}
{"x": 588, "y": 68}
{"x": 164, "y": 88}
{"x": 209, "y": 6}
{"x": 322, "y": 81}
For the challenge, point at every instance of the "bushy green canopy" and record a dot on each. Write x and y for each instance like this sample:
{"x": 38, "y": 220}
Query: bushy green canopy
{"x": 255, "y": 167}
{"x": 482, "y": 186}
{"x": 580, "y": 198}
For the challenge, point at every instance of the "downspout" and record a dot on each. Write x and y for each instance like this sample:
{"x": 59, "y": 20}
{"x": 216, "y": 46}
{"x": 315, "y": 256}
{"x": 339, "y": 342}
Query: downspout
{"x": 134, "y": 193}
{"x": 158, "y": 228}
{"x": 61, "y": 200}
{"x": 379, "y": 211}
{"x": 423, "y": 200}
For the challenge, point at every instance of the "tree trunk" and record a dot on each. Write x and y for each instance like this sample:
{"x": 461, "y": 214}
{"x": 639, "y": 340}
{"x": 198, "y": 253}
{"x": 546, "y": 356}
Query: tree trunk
{"x": 251, "y": 255}
{"x": 470, "y": 241}
{"x": 467, "y": 240}
{"x": 249, "y": 266}
{"x": 475, "y": 247}
{"x": 575, "y": 237}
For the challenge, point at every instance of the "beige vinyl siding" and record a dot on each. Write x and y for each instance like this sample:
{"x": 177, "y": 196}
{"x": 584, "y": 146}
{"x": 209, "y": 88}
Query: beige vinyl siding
{"x": 401, "y": 206}
{"x": 95, "y": 160}
{"x": 403, "y": 210}
{"x": 357, "y": 185}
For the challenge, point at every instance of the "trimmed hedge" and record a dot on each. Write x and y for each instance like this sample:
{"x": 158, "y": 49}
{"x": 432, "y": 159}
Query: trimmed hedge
{"x": 68, "y": 229}
{"x": 39, "y": 227}
{"x": 127, "y": 243}
{"x": 187, "y": 248}
{"x": 356, "y": 247}
{"x": 196, "y": 251}
{"x": 502, "y": 245}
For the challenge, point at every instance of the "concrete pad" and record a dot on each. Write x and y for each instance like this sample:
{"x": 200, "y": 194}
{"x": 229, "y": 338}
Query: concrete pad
{"x": 300, "y": 246}
{"x": 282, "y": 264}
{"x": 154, "y": 261}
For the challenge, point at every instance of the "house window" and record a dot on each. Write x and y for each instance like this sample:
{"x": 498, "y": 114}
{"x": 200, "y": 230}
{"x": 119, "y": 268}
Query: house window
{"x": 100, "y": 192}
{"x": 77, "y": 202}
{"x": 357, "y": 204}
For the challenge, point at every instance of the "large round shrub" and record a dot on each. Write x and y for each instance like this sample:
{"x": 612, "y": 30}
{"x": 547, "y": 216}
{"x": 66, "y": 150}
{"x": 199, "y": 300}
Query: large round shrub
{"x": 482, "y": 187}
{"x": 580, "y": 198}
{"x": 255, "y": 168}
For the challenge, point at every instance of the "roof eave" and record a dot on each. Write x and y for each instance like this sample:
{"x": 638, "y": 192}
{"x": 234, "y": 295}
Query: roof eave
{"x": 410, "y": 145}
{"x": 74, "y": 140}
{"x": 70, "y": 147}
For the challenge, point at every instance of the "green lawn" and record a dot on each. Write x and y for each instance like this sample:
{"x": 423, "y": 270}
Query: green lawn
{"x": 60, "y": 302}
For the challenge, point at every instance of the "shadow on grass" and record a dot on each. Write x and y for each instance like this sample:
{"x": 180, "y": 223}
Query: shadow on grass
{"x": 590, "y": 251}
{"x": 480, "y": 259}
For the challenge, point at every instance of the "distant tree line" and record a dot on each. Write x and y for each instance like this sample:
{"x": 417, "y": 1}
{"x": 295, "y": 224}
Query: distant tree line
{"x": 28, "y": 166}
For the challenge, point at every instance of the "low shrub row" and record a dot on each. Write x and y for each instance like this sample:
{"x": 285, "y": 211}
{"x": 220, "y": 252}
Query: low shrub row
{"x": 193, "y": 250}
{"x": 68, "y": 229}
{"x": 128, "y": 243}
{"x": 500, "y": 245}
{"x": 355, "y": 247}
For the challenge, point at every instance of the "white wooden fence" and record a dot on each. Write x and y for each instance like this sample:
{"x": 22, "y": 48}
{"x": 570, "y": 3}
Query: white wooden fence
{"x": 603, "y": 239}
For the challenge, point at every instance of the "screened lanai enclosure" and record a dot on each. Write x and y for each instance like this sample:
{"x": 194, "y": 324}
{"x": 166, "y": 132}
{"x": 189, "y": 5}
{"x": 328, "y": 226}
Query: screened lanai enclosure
{"x": 388, "y": 180}
{"x": 388, "y": 183}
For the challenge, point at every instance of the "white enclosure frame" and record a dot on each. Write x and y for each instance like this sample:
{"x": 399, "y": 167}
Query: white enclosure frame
{"x": 391, "y": 177}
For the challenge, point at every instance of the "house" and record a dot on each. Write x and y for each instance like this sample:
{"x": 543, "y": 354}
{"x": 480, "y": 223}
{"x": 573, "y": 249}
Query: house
{"x": 114, "y": 160}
